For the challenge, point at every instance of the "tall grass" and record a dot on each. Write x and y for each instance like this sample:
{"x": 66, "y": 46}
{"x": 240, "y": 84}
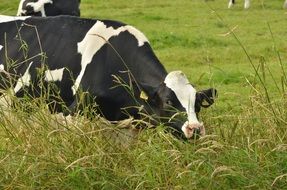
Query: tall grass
{"x": 244, "y": 149}
{"x": 40, "y": 150}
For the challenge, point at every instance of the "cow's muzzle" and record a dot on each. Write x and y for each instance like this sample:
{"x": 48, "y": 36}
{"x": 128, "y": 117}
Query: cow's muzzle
{"x": 193, "y": 130}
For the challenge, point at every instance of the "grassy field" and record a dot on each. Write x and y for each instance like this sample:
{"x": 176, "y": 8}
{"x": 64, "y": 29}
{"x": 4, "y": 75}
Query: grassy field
{"x": 242, "y": 53}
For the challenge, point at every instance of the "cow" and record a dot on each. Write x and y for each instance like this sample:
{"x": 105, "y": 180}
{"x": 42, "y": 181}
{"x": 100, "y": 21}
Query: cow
{"x": 48, "y": 7}
{"x": 110, "y": 62}
{"x": 247, "y": 4}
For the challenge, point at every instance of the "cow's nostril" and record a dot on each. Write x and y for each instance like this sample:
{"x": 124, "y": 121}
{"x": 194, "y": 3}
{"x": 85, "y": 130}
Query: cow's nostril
{"x": 196, "y": 131}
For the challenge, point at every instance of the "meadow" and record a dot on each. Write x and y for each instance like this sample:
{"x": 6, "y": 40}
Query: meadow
{"x": 241, "y": 53}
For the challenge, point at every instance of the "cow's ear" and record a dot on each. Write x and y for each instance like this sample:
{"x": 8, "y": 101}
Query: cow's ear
{"x": 206, "y": 97}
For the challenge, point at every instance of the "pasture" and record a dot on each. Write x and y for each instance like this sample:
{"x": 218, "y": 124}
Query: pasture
{"x": 242, "y": 53}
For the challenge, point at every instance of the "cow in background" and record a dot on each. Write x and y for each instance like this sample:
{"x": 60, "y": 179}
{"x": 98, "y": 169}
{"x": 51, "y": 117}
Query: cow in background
{"x": 247, "y": 4}
{"x": 48, "y": 7}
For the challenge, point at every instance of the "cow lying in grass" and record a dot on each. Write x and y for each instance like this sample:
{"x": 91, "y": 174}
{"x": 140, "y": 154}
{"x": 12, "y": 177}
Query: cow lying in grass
{"x": 48, "y": 7}
{"x": 111, "y": 63}
{"x": 247, "y": 4}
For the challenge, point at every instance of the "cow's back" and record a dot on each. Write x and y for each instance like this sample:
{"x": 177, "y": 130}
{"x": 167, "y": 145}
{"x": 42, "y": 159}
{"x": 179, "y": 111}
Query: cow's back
{"x": 86, "y": 53}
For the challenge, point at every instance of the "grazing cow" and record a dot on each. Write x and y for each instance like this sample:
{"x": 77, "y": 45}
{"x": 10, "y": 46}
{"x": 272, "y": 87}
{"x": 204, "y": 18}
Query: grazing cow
{"x": 111, "y": 62}
{"x": 247, "y": 4}
{"x": 48, "y": 7}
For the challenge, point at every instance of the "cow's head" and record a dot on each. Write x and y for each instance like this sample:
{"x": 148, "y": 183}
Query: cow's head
{"x": 179, "y": 104}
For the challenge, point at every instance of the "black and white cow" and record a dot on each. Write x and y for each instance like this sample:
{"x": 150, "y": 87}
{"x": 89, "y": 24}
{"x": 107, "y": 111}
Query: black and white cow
{"x": 110, "y": 61}
{"x": 247, "y": 4}
{"x": 48, "y": 7}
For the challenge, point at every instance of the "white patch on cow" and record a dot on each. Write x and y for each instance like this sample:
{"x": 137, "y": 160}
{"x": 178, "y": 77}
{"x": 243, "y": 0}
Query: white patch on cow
{"x": 1, "y": 65}
{"x": 4, "y": 18}
{"x": 39, "y": 6}
{"x": 247, "y": 4}
{"x": 54, "y": 75}
{"x": 20, "y": 8}
{"x": 186, "y": 95}
{"x": 137, "y": 34}
{"x": 24, "y": 80}
{"x": 230, "y": 4}
{"x": 97, "y": 37}
{"x": 2, "y": 68}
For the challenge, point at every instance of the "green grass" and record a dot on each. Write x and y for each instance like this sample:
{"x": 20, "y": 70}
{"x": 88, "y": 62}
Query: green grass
{"x": 246, "y": 145}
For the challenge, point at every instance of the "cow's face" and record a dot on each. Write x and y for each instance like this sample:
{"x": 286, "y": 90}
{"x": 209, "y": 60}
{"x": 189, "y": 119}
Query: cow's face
{"x": 180, "y": 104}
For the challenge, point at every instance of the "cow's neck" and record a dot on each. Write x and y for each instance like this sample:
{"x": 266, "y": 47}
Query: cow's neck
{"x": 150, "y": 71}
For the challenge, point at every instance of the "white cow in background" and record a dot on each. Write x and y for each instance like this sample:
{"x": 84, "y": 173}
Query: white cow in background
{"x": 247, "y": 4}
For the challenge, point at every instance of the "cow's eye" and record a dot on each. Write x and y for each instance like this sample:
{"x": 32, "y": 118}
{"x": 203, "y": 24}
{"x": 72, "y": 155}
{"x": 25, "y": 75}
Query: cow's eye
{"x": 169, "y": 102}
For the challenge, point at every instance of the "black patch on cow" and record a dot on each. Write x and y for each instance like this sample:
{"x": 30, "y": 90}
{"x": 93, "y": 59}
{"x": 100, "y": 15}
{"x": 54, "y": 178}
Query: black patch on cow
{"x": 61, "y": 7}
{"x": 58, "y": 7}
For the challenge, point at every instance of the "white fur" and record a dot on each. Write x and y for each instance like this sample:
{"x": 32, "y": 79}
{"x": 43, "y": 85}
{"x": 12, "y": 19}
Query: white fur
{"x": 24, "y": 80}
{"x": 1, "y": 47}
{"x": 137, "y": 34}
{"x": 39, "y": 6}
{"x": 185, "y": 130}
{"x": 186, "y": 95}
{"x": 230, "y": 4}
{"x": 20, "y": 8}
{"x": 97, "y": 37}
{"x": 247, "y": 4}
{"x": 54, "y": 75}
{"x": 4, "y": 18}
